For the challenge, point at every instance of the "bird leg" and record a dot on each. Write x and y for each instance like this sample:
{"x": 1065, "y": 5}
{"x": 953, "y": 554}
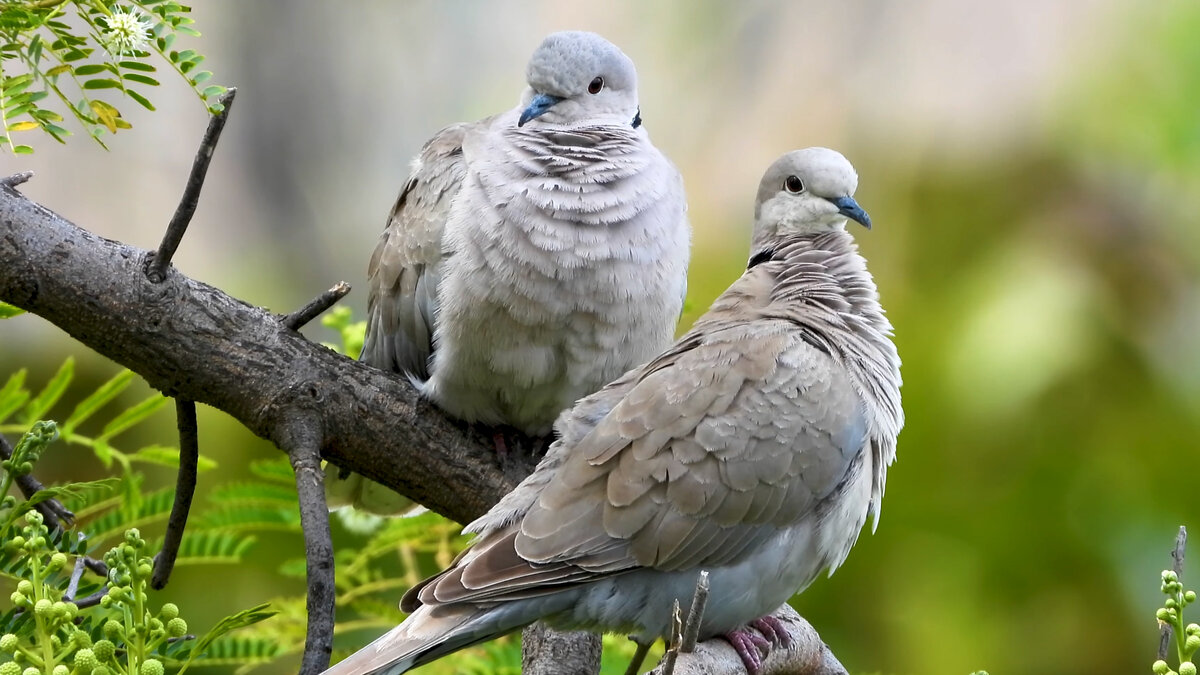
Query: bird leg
{"x": 501, "y": 445}
{"x": 752, "y": 647}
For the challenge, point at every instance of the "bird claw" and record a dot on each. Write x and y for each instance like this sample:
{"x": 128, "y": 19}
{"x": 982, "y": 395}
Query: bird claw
{"x": 773, "y": 630}
{"x": 752, "y": 647}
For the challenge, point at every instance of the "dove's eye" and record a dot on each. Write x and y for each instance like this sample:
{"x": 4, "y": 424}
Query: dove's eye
{"x": 596, "y": 85}
{"x": 793, "y": 184}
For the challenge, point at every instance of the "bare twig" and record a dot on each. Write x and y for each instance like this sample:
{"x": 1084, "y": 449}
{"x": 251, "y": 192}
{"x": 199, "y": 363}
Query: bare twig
{"x": 76, "y": 576}
{"x": 316, "y": 306}
{"x": 672, "y": 655}
{"x": 156, "y": 263}
{"x": 52, "y": 510}
{"x": 301, "y": 438}
{"x": 1165, "y": 632}
{"x": 91, "y": 600}
{"x": 16, "y": 179}
{"x": 691, "y": 628}
{"x": 97, "y": 566}
{"x": 185, "y": 489}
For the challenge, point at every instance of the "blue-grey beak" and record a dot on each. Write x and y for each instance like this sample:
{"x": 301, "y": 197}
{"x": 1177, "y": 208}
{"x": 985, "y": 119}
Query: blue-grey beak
{"x": 850, "y": 208}
{"x": 538, "y": 107}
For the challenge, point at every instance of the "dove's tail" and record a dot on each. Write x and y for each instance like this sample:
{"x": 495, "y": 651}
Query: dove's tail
{"x": 427, "y": 634}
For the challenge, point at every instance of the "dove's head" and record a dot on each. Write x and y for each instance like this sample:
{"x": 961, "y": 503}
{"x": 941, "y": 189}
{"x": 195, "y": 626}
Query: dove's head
{"x": 578, "y": 77}
{"x": 805, "y": 191}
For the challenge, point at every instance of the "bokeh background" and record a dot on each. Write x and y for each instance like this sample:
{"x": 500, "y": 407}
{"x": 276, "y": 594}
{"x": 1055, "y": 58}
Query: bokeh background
{"x": 1033, "y": 171}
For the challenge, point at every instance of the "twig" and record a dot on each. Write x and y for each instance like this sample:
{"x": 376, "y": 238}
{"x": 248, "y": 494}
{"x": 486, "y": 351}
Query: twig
{"x": 185, "y": 489}
{"x": 1165, "y": 632}
{"x": 545, "y": 651}
{"x": 52, "y": 510}
{"x": 691, "y": 628}
{"x": 301, "y": 438}
{"x": 16, "y": 179}
{"x": 91, "y": 600}
{"x": 315, "y": 306}
{"x": 97, "y": 566}
{"x": 669, "y": 659}
{"x": 76, "y": 575}
{"x": 157, "y": 262}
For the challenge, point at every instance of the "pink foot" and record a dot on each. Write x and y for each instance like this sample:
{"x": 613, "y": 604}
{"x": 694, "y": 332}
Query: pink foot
{"x": 774, "y": 630}
{"x": 750, "y": 646}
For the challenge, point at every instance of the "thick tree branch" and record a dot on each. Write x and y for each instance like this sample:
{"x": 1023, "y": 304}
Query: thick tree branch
{"x": 192, "y": 341}
{"x": 806, "y": 655}
{"x": 545, "y": 651}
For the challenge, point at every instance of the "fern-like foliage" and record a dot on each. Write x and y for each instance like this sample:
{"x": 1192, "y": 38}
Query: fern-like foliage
{"x": 84, "y": 57}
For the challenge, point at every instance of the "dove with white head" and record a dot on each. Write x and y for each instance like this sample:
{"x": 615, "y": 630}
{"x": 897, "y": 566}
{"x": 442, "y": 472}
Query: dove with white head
{"x": 536, "y": 255}
{"x": 753, "y": 449}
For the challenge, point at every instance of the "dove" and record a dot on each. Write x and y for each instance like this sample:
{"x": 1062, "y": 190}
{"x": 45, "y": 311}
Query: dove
{"x": 754, "y": 448}
{"x": 536, "y": 255}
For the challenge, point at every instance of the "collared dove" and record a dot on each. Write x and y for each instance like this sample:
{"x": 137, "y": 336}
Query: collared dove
{"x": 536, "y": 255}
{"x": 753, "y": 448}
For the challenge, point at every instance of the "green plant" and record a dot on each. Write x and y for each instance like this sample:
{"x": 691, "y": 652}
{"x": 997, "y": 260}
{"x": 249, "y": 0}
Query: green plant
{"x": 81, "y": 52}
{"x": 1187, "y": 638}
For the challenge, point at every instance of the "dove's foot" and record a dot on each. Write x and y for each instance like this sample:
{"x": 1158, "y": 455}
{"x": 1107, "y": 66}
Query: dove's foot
{"x": 752, "y": 647}
{"x": 501, "y": 445}
{"x": 774, "y": 630}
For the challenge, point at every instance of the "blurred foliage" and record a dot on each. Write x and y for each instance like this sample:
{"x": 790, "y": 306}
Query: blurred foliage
{"x": 77, "y": 49}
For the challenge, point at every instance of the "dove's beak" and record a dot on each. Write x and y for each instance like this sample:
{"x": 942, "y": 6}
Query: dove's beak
{"x": 538, "y": 107}
{"x": 850, "y": 208}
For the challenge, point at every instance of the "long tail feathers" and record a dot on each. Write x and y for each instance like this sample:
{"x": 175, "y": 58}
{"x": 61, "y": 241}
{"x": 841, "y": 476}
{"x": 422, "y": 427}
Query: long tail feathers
{"x": 423, "y": 637}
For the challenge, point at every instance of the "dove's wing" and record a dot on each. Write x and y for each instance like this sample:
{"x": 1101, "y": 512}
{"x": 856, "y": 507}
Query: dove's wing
{"x": 403, "y": 273}
{"x": 737, "y": 432}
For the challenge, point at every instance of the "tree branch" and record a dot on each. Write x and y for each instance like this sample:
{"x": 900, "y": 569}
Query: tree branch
{"x": 545, "y": 651}
{"x": 192, "y": 341}
{"x": 301, "y": 438}
{"x": 185, "y": 489}
{"x": 52, "y": 510}
{"x": 806, "y": 655}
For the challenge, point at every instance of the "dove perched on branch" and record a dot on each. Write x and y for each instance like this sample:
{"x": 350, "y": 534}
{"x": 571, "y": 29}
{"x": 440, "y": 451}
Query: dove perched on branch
{"x": 753, "y": 448}
{"x": 536, "y": 255}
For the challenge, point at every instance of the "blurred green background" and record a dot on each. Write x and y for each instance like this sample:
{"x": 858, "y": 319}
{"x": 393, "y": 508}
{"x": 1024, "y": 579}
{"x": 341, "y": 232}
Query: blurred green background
{"x": 1033, "y": 172}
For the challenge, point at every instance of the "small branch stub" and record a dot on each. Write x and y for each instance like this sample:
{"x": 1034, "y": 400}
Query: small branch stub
{"x": 316, "y": 306}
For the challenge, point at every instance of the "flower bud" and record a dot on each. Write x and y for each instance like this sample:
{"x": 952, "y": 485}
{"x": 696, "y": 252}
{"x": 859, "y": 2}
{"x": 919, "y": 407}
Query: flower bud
{"x": 169, "y": 611}
{"x": 60, "y": 669}
{"x": 1187, "y": 668}
{"x": 177, "y": 627}
{"x": 25, "y": 586}
{"x": 152, "y": 667}
{"x": 58, "y": 560}
{"x": 85, "y": 660}
{"x": 31, "y": 671}
{"x": 1191, "y": 644}
{"x": 1189, "y": 597}
{"x": 113, "y": 630}
{"x": 10, "y": 668}
{"x": 8, "y": 643}
{"x": 104, "y": 649}
{"x": 43, "y": 608}
{"x": 82, "y": 639}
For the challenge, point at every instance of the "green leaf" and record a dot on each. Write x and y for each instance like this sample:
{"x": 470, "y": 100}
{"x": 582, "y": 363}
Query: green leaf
{"x": 134, "y": 415}
{"x": 15, "y": 85}
{"x": 7, "y": 311}
{"x": 49, "y": 395}
{"x": 90, "y": 69}
{"x": 247, "y": 617}
{"x": 213, "y": 90}
{"x": 164, "y": 455}
{"x": 13, "y": 395}
{"x": 143, "y": 79}
{"x": 101, "y": 83}
{"x": 22, "y": 150}
{"x": 142, "y": 100}
{"x": 138, "y": 65}
{"x": 212, "y": 548}
{"x": 97, "y": 399}
{"x": 24, "y": 125}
